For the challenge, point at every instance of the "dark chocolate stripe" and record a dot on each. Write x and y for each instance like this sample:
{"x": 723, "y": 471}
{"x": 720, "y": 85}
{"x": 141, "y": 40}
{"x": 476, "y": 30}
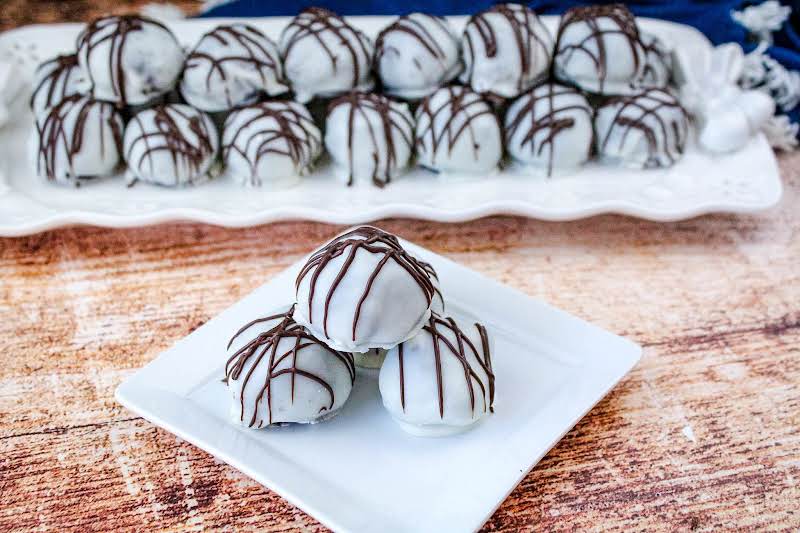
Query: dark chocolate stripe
{"x": 392, "y": 120}
{"x": 371, "y": 240}
{"x": 410, "y": 26}
{"x": 167, "y": 134}
{"x": 276, "y": 122}
{"x": 267, "y": 343}
{"x": 460, "y": 347}
{"x": 314, "y": 22}
{"x": 644, "y": 111}
{"x": 115, "y": 30}
{"x": 521, "y": 21}
{"x": 54, "y": 85}
{"x": 256, "y": 55}
{"x": 461, "y": 107}
{"x": 552, "y": 121}
{"x": 55, "y": 134}
{"x": 625, "y": 26}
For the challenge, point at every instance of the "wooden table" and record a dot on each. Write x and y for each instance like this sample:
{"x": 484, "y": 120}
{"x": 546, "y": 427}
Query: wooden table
{"x": 703, "y": 434}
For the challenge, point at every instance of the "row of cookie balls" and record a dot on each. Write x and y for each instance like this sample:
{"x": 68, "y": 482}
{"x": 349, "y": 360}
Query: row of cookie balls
{"x": 370, "y": 138}
{"x": 132, "y": 60}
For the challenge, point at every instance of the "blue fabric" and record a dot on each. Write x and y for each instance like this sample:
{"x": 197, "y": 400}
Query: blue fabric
{"x": 710, "y": 17}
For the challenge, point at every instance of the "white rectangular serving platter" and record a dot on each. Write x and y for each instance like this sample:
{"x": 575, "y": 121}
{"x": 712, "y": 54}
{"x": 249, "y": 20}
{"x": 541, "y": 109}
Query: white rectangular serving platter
{"x": 359, "y": 471}
{"x": 742, "y": 182}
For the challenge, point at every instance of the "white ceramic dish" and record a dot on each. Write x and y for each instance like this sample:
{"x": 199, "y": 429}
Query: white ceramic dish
{"x": 742, "y": 182}
{"x": 360, "y": 471}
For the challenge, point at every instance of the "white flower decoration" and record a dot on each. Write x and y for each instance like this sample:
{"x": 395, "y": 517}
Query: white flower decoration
{"x": 763, "y": 19}
{"x": 763, "y": 73}
{"x": 781, "y": 133}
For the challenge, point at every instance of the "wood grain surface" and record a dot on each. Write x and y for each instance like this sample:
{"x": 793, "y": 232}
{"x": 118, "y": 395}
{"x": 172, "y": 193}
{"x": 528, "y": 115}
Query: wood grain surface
{"x": 702, "y": 435}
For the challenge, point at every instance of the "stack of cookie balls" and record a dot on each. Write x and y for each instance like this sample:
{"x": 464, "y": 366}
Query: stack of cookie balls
{"x": 261, "y": 113}
{"x": 362, "y": 300}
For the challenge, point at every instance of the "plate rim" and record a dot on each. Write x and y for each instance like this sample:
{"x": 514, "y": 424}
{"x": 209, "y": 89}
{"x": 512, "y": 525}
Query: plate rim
{"x": 415, "y": 212}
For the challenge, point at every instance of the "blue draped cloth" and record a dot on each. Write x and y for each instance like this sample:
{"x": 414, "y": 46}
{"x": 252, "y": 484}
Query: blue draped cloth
{"x": 713, "y": 18}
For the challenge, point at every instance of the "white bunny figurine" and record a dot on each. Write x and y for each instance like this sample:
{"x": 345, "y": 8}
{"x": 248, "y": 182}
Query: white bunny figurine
{"x": 726, "y": 115}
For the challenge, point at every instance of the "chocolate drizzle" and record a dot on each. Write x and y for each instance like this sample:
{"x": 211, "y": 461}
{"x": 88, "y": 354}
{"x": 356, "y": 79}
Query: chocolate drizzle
{"x": 448, "y": 338}
{"x": 264, "y": 348}
{"x": 658, "y": 116}
{"x": 315, "y": 23}
{"x": 392, "y": 120}
{"x": 624, "y": 26}
{"x": 444, "y": 123}
{"x": 410, "y": 25}
{"x": 528, "y": 34}
{"x": 371, "y": 240}
{"x": 658, "y": 62}
{"x": 63, "y": 131}
{"x": 249, "y": 48}
{"x": 164, "y": 129}
{"x": 277, "y": 128}
{"x": 545, "y": 124}
{"x": 428, "y": 268}
{"x": 58, "y": 78}
{"x": 115, "y": 31}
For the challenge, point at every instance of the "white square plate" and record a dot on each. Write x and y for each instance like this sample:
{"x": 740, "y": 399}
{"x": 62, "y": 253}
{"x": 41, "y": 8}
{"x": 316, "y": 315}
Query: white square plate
{"x": 741, "y": 182}
{"x": 360, "y": 471}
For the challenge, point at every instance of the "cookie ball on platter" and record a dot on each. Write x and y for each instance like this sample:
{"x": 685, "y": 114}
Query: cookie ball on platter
{"x": 644, "y": 130}
{"x": 324, "y": 56}
{"x": 416, "y": 55}
{"x": 77, "y": 138}
{"x": 369, "y": 137}
{"x": 507, "y": 50}
{"x": 550, "y": 129}
{"x": 658, "y": 61}
{"x": 598, "y": 49}
{"x": 128, "y": 59}
{"x": 457, "y": 132}
{"x": 170, "y": 145}
{"x": 231, "y": 66}
{"x": 374, "y": 357}
{"x": 363, "y": 290}
{"x": 440, "y": 381}
{"x": 270, "y": 143}
{"x": 56, "y": 79}
{"x": 278, "y": 374}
